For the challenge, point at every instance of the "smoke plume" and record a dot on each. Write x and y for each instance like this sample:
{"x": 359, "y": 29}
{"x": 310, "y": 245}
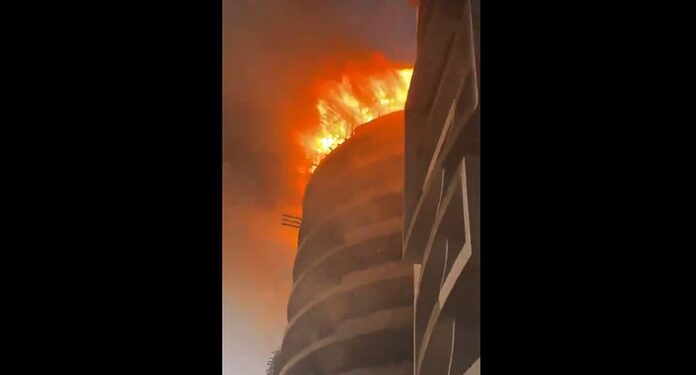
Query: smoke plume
{"x": 274, "y": 51}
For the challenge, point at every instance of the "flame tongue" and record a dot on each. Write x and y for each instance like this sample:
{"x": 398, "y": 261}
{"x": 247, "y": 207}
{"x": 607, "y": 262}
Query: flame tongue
{"x": 357, "y": 99}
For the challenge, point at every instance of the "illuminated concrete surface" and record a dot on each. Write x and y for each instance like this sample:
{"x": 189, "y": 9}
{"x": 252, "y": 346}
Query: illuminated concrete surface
{"x": 350, "y": 311}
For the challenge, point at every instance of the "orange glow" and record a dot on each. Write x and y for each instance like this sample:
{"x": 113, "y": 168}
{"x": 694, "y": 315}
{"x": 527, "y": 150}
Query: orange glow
{"x": 363, "y": 94}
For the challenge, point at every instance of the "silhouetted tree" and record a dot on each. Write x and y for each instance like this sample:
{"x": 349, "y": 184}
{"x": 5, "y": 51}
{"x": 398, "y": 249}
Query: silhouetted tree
{"x": 272, "y": 363}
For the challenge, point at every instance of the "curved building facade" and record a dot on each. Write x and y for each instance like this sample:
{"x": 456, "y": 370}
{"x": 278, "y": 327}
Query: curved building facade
{"x": 350, "y": 311}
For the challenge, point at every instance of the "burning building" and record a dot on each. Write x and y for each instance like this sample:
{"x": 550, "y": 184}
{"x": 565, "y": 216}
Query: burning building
{"x": 386, "y": 277}
{"x": 351, "y": 306}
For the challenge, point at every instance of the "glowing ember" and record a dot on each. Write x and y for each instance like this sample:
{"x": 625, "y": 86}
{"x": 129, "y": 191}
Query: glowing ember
{"x": 359, "y": 98}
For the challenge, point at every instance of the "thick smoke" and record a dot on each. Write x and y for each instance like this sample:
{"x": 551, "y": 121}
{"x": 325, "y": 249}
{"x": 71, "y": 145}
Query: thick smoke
{"x": 274, "y": 51}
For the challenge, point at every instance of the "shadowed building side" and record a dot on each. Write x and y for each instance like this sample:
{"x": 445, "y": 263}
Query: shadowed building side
{"x": 442, "y": 188}
{"x": 350, "y": 311}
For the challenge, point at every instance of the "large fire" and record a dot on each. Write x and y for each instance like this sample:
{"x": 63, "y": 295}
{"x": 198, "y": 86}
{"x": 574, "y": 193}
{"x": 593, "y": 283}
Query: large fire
{"x": 359, "y": 97}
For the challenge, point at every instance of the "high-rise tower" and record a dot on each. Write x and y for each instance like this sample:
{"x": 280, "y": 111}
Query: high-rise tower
{"x": 351, "y": 307}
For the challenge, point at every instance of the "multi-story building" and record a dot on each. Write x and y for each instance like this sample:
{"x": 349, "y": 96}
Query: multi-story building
{"x": 350, "y": 311}
{"x": 442, "y": 188}
{"x": 386, "y": 278}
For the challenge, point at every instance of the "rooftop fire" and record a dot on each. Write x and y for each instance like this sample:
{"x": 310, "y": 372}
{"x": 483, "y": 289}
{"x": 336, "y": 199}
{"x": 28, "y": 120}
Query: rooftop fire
{"x": 365, "y": 92}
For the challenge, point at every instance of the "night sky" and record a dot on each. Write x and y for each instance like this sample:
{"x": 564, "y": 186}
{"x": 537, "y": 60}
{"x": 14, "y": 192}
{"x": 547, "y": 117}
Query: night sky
{"x": 273, "y": 50}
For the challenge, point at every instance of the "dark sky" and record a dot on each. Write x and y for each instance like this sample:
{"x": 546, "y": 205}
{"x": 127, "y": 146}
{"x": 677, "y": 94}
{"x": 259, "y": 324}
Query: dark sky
{"x": 272, "y": 50}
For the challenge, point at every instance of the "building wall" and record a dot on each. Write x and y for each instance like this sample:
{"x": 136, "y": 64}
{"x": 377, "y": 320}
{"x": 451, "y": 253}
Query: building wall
{"x": 442, "y": 189}
{"x": 350, "y": 310}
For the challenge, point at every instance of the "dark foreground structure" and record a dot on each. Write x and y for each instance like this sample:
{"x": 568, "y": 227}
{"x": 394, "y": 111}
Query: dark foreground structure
{"x": 442, "y": 188}
{"x": 350, "y": 311}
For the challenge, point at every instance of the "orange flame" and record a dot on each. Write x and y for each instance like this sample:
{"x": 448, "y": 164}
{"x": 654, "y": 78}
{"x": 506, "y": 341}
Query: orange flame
{"x": 358, "y": 98}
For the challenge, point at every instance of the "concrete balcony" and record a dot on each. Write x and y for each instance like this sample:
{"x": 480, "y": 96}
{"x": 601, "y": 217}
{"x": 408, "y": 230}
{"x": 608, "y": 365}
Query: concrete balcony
{"x": 386, "y": 286}
{"x": 364, "y": 247}
{"x": 373, "y": 340}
